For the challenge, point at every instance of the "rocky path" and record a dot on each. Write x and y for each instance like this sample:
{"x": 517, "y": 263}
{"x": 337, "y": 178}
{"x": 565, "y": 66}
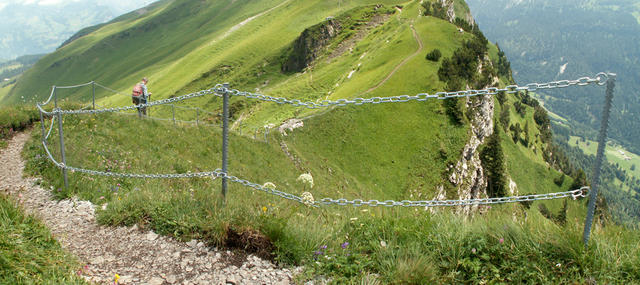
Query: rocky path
{"x": 136, "y": 257}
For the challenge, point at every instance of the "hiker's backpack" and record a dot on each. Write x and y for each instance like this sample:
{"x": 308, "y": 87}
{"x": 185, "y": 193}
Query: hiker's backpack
{"x": 137, "y": 90}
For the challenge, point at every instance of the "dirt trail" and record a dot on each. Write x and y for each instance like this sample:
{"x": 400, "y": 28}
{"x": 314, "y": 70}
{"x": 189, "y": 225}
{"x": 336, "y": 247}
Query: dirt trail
{"x": 137, "y": 257}
{"x": 420, "y": 47}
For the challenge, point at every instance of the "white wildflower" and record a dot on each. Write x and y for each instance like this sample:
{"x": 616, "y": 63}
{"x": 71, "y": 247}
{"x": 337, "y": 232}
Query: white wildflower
{"x": 306, "y": 179}
{"x": 269, "y": 185}
{"x": 307, "y": 199}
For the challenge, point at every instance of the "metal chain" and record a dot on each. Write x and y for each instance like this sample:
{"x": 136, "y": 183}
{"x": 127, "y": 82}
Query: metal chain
{"x": 53, "y": 119}
{"x": 599, "y": 79}
{"x": 74, "y": 86}
{"x": 582, "y": 192}
{"x": 217, "y": 90}
{"x": 267, "y": 190}
{"x": 216, "y": 173}
{"x": 111, "y": 90}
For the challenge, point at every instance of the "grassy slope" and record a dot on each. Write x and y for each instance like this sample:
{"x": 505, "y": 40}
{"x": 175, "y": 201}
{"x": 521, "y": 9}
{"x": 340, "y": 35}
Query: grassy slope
{"x": 612, "y": 152}
{"x": 28, "y": 252}
{"x": 370, "y": 152}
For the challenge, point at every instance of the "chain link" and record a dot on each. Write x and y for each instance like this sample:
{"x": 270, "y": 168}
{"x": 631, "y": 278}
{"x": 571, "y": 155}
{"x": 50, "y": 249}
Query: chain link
{"x": 599, "y": 79}
{"x": 582, "y": 192}
{"x": 218, "y": 173}
{"x": 217, "y": 90}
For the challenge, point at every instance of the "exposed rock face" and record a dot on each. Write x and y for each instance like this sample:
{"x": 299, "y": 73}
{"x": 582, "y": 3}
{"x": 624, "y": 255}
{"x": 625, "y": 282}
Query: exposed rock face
{"x": 310, "y": 44}
{"x": 468, "y": 174}
{"x": 451, "y": 14}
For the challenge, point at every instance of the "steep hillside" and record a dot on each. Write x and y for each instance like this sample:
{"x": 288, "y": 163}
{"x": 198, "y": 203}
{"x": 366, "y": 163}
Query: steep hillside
{"x": 552, "y": 40}
{"x": 314, "y": 51}
{"x": 31, "y": 27}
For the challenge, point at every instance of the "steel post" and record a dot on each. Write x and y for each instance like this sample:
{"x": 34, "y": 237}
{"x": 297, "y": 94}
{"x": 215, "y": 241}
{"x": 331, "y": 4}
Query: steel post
{"x": 602, "y": 143}
{"x": 42, "y": 123}
{"x": 173, "y": 112}
{"x": 64, "y": 157}
{"x": 225, "y": 139}
{"x": 93, "y": 87}
{"x": 197, "y": 117}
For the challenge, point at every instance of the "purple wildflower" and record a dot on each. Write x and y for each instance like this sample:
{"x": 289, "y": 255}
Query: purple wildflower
{"x": 344, "y": 245}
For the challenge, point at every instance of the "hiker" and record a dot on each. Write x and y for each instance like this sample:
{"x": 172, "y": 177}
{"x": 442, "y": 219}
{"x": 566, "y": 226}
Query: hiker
{"x": 140, "y": 95}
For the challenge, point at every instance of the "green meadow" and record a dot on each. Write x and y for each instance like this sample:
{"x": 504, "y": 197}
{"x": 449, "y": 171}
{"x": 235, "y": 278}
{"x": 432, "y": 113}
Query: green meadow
{"x": 391, "y": 151}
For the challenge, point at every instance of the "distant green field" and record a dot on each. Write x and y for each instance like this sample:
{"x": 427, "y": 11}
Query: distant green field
{"x": 615, "y": 154}
{"x": 5, "y": 90}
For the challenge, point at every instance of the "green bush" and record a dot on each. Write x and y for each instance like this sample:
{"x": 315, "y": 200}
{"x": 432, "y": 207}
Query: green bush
{"x": 434, "y": 55}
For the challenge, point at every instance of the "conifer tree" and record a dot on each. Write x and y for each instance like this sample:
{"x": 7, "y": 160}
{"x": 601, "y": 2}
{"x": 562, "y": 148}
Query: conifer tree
{"x": 492, "y": 159}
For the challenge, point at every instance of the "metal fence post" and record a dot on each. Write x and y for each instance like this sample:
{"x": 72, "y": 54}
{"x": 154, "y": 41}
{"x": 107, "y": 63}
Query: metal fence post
{"x": 197, "y": 117}
{"x": 602, "y": 142}
{"x": 55, "y": 98}
{"x": 64, "y": 157}
{"x": 93, "y": 87}
{"x": 266, "y": 132}
{"x": 225, "y": 139}
{"x": 173, "y": 112}
{"x": 41, "y": 123}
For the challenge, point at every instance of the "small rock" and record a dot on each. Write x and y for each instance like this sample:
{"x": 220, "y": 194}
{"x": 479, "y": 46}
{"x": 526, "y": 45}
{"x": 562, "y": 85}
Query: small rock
{"x": 97, "y": 260}
{"x": 231, "y": 280}
{"x": 151, "y": 236}
{"x": 192, "y": 243}
{"x": 171, "y": 279}
{"x": 156, "y": 281}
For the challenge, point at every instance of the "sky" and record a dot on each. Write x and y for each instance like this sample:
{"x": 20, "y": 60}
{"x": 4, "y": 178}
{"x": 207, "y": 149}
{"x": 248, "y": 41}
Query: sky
{"x": 119, "y": 6}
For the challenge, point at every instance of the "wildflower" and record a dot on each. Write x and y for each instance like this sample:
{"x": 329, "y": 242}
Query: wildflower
{"x": 307, "y": 199}
{"x": 501, "y": 240}
{"x": 473, "y": 250}
{"x": 323, "y": 247}
{"x": 558, "y": 265}
{"x": 383, "y": 243}
{"x": 306, "y": 179}
{"x": 344, "y": 245}
{"x": 116, "y": 279}
{"x": 269, "y": 185}
{"x": 264, "y": 209}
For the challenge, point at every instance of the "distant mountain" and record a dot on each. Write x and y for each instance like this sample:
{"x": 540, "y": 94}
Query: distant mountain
{"x": 553, "y": 40}
{"x": 35, "y": 27}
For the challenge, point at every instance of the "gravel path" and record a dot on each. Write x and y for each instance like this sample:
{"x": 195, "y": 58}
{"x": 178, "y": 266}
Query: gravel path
{"x": 137, "y": 257}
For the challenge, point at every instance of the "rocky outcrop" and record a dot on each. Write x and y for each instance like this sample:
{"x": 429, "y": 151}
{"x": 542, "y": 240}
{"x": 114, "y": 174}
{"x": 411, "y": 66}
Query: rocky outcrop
{"x": 310, "y": 44}
{"x": 468, "y": 174}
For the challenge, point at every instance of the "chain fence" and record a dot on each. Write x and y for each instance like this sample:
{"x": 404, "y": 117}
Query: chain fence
{"x": 221, "y": 90}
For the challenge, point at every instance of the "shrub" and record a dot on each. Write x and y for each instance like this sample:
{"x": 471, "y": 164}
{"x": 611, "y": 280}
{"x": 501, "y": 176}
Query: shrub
{"x": 434, "y": 55}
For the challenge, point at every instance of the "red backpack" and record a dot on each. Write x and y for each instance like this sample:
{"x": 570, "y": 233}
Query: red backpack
{"x": 137, "y": 90}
